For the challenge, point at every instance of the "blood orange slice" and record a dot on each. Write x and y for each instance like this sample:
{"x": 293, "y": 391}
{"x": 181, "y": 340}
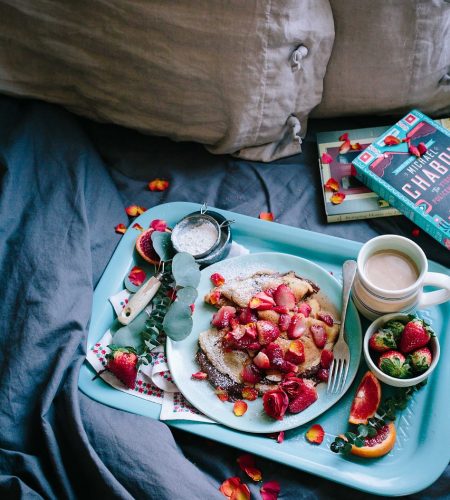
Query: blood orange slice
{"x": 378, "y": 445}
{"x": 144, "y": 246}
{"x": 366, "y": 401}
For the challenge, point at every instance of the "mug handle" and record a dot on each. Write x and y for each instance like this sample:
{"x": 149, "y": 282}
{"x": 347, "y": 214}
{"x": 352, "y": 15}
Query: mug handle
{"x": 438, "y": 296}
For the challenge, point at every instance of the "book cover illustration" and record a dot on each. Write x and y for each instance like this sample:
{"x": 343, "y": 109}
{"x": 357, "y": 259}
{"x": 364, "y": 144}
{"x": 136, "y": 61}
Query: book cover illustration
{"x": 417, "y": 184}
{"x": 360, "y": 202}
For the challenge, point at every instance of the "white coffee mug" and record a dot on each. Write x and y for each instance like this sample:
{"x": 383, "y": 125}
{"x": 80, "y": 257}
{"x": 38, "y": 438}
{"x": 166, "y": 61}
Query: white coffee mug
{"x": 373, "y": 301}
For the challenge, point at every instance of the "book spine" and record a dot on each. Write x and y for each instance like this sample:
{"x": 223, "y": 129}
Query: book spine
{"x": 389, "y": 212}
{"x": 380, "y": 187}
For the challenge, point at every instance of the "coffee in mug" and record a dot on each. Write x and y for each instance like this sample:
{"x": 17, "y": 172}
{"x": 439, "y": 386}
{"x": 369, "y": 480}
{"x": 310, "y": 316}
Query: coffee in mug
{"x": 392, "y": 271}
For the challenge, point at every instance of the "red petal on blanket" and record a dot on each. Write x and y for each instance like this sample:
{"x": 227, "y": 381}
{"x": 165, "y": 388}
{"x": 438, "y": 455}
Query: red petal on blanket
{"x": 137, "y": 276}
{"x": 132, "y": 210}
{"x": 326, "y": 158}
{"x": 270, "y": 490}
{"x": 239, "y": 408}
{"x": 120, "y": 229}
{"x": 247, "y": 464}
{"x": 241, "y": 493}
{"x": 332, "y": 184}
{"x": 158, "y": 185}
{"x": 267, "y": 216}
{"x": 344, "y": 137}
{"x": 337, "y": 198}
{"x": 141, "y": 210}
{"x": 391, "y": 140}
{"x": 229, "y": 485}
{"x": 356, "y": 146}
{"x": 345, "y": 147}
{"x": 158, "y": 225}
{"x": 137, "y": 226}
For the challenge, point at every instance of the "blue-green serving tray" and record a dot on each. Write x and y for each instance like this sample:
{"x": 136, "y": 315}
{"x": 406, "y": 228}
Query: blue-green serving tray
{"x": 422, "y": 450}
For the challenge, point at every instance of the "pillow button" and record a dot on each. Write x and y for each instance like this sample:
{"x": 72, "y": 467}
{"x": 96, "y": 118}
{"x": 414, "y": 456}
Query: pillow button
{"x": 445, "y": 80}
{"x": 297, "y": 56}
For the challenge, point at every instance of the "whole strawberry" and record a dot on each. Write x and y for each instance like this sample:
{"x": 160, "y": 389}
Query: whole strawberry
{"x": 393, "y": 363}
{"x": 416, "y": 334}
{"x": 420, "y": 360}
{"x": 382, "y": 341}
{"x": 122, "y": 362}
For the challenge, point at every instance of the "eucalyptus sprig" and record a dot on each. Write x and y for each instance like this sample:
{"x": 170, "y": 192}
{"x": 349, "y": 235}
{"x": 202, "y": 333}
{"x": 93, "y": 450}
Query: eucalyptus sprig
{"x": 386, "y": 412}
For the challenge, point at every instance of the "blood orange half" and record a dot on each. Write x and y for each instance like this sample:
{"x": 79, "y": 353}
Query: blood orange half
{"x": 378, "y": 445}
{"x": 366, "y": 401}
{"x": 144, "y": 246}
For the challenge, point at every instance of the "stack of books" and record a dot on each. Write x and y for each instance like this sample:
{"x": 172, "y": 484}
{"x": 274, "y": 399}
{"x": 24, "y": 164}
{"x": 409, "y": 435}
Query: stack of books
{"x": 386, "y": 171}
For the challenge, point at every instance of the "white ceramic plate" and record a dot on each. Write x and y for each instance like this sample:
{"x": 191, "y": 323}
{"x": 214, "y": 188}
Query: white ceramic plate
{"x": 181, "y": 355}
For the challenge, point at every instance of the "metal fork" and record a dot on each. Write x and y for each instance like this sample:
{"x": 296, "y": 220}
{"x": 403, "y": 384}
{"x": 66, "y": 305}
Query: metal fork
{"x": 341, "y": 361}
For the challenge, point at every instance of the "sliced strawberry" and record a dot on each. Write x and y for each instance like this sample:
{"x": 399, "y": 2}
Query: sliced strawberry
{"x": 319, "y": 335}
{"x": 199, "y": 376}
{"x": 246, "y": 315}
{"x": 261, "y": 302}
{"x": 297, "y": 327}
{"x": 238, "y": 332}
{"x": 304, "y": 309}
{"x": 267, "y": 332}
{"x": 250, "y": 330}
{"x": 323, "y": 374}
{"x": 326, "y": 318}
{"x": 283, "y": 296}
{"x": 217, "y": 279}
{"x": 326, "y": 357}
{"x": 292, "y": 386}
{"x": 261, "y": 360}
{"x": 280, "y": 309}
{"x": 284, "y": 322}
{"x": 306, "y": 398}
{"x": 276, "y": 358}
{"x": 250, "y": 374}
{"x": 296, "y": 352}
{"x": 223, "y": 316}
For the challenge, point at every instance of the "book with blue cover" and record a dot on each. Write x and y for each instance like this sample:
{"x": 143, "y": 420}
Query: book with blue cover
{"x": 413, "y": 175}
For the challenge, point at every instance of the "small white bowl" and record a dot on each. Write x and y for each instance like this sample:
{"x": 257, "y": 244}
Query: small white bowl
{"x": 383, "y": 377}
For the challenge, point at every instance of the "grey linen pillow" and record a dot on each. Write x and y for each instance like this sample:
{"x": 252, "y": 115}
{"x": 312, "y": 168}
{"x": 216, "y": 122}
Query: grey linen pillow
{"x": 237, "y": 76}
{"x": 389, "y": 56}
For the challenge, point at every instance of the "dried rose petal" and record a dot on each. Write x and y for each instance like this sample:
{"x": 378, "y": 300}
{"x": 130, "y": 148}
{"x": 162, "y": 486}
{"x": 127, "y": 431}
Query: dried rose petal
{"x": 270, "y": 490}
{"x": 315, "y": 434}
{"x": 344, "y": 147}
{"x": 158, "y": 225}
{"x": 241, "y": 493}
{"x": 391, "y": 140}
{"x": 221, "y": 394}
{"x": 137, "y": 276}
{"x": 249, "y": 393}
{"x": 199, "y": 376}
{"x": 415, "y": 232}
{"x": 120, "y": 229}
{"x": 229, "y": 485}
{"x": 137, "y": 226}
{"x": 158, "y": 185}
{"x": 132, "y": 210}
{"x": 141, "y": 210}
{"x": 280, "y": 437}
{"x": 332, "y": 184}
{"x": 413, "y": 150}
{"x": 337, "y": 198}
{"x": 422, "y": 147}
{"x": 247, "y": 464}
{"x": 217, "y": 279}
{"x": 356, "y": 146}
{"x": 344, "y": 137}
{"x": 267, "y": 216}
{"x": 326, "y": 158}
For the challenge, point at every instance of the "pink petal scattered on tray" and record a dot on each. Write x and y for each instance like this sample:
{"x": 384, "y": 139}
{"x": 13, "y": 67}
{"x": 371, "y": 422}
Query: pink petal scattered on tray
{"x": 326, "y": 158}
{"x": 137, "y": 276}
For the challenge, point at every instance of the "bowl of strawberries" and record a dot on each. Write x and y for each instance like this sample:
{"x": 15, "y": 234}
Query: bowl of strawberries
{"x": 401, "y": 349}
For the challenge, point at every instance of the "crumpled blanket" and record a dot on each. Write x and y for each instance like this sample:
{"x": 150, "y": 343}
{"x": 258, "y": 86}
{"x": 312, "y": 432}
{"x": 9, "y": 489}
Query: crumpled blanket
{"x": 64, "y": 185}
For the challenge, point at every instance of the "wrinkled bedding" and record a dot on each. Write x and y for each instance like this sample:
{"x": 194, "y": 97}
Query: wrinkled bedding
{"x": 64, "y": 185}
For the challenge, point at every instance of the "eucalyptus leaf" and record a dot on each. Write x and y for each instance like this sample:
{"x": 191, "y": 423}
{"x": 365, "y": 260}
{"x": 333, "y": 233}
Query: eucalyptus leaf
{"x": 163, "y": 245}
{"x": 363, "y": 431}
{"x": 130, "y": 335}
{"x": 187, "y": 295}
{"x": 185, "y": 270}
{"x": 359, "y": 443}
{"x": 178, "y": 323}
